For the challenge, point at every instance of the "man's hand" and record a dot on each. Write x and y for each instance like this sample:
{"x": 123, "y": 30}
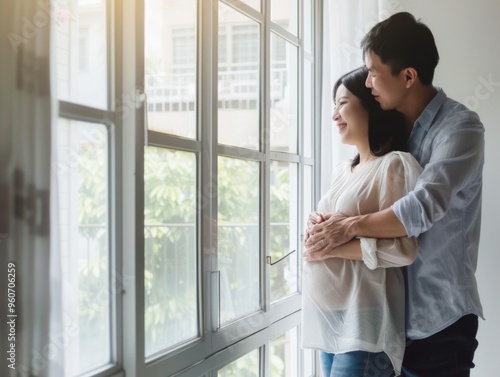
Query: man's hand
{"x": 326, "y": 235}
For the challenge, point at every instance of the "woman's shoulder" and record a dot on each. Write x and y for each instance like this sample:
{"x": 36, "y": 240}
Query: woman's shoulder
{"x": 396, "y": 156}
{"x": 400, "y": 160}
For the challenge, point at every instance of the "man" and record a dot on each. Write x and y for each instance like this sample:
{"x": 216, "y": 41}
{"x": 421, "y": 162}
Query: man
{"x": 444, "y": 209}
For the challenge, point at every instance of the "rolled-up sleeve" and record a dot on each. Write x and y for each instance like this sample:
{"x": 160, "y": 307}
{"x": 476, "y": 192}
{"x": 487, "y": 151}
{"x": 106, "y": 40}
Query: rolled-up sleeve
{"x": 399, "y": 177}
{"x": 457, "y": 159}
{"x": 386, "y": 253}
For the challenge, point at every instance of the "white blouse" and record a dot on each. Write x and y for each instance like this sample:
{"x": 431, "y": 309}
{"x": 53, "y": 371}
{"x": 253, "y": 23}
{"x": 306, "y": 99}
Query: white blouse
{"x": 360, "y": 305}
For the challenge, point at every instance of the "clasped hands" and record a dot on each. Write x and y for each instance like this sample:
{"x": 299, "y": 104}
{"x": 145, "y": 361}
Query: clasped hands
{"x": 325, "y": 232}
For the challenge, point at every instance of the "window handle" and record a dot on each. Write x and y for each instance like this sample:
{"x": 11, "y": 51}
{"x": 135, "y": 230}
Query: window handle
{"x": 270, "y": 262}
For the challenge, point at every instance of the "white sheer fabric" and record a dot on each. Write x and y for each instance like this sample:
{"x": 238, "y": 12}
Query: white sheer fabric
{"x": 344, "y": 25}
{"x": 359, "y": 305}
{"x": 26, "y": 232}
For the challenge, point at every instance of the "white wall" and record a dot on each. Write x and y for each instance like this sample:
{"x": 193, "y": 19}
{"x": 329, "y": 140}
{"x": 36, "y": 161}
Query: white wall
{"x": 467, "y": 35}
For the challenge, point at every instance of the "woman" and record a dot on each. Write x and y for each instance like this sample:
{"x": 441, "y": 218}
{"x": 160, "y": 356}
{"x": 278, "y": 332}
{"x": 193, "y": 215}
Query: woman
{"x": 353, "y": 300}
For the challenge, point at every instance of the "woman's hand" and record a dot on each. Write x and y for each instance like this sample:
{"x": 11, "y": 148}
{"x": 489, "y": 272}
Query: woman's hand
{"x": 314, "y": 219}
{"x": 314, "y": 256}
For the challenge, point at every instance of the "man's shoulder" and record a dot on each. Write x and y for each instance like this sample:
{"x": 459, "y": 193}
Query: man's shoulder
{"x": 455, "y": 113}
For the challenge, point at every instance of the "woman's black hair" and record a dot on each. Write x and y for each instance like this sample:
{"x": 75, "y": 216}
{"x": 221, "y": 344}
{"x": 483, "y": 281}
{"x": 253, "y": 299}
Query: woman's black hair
{"x": 386, "y": 129}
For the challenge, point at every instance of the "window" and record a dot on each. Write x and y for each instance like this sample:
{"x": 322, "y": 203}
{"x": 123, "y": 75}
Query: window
{"x": 86, "y": 179}
{"x": 245, "y": 46}
{"x": 186, "y": 169}
{"x": 247, "y": 365}
{"x": 184, "y": 48}
{"x": 170, "y": 281}
{"x": 223, "y": 177}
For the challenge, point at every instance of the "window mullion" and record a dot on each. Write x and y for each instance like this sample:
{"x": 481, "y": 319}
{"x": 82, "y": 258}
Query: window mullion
{"x": 266, "y": 148}
{"x": 207, "y": 126}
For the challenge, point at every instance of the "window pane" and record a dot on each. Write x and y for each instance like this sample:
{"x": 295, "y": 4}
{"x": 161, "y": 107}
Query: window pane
{"x": 308, "y": 362}
{"x": 308, "y": 107}
{"x": 82, "y": 51}
{"x": 171, "y": 267}
{"x": 253, "y": 3}
{"x": 284, "y": 94}
{"x": 308, "y": 26}
{"x": 307, "y": 203}
{"x": 170, "y": 63}
{"x": 283, "y": 204}
{"x": 83, "y": 197}
{"x": 247, "y": 366}
{"x": 285, "y": 14}
{"x": 239, "y": 75}
{"x": 238, "y": 238}
{"x": 285, "y": 355}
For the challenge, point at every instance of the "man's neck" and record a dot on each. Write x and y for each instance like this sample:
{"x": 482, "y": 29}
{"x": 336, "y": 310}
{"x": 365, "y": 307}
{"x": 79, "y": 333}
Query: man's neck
{"x": 416, "y": 102}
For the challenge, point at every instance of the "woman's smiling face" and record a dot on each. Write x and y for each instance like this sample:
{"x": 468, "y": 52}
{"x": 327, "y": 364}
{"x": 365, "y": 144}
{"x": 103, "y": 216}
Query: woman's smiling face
{"x": 350, "y": 117}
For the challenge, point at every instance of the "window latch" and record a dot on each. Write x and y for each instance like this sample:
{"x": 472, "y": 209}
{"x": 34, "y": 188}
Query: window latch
{"x": 141, "y": 98}
{"x": 270, "y": 262}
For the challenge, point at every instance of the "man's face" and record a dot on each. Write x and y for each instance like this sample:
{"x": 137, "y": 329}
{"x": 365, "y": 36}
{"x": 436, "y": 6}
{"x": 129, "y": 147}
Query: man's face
{"x": 388, "y": 90}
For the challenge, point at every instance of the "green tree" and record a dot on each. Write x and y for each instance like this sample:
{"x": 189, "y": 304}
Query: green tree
{"x": 172, "y": 201}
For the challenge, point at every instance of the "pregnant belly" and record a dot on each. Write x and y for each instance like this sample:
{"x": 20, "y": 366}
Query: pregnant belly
{"x": 330, "y": 284}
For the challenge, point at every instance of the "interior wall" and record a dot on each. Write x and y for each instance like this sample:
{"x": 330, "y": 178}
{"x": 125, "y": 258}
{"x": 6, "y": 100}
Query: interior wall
{"x": 467, "y": 36}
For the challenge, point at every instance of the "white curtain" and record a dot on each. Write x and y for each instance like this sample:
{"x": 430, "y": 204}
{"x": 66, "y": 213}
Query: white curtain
{"x": 344, "y": 25}
{"x": 28, "y": 234}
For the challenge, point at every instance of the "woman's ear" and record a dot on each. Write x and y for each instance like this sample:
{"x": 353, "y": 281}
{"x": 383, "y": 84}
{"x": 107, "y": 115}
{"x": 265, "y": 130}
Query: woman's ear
{"x": 411, "y": 76}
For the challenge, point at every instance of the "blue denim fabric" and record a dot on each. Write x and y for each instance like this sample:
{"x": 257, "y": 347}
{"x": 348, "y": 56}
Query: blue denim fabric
{"x": 449, "y": 353}
{"x": 356, "y": 364}
{"x": 326, "y": 360}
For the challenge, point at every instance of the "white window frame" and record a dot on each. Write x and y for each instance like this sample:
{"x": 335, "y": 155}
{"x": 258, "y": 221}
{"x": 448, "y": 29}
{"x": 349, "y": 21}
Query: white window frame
{"x": 110, "y": 117}
{"x": 217, "y": 346}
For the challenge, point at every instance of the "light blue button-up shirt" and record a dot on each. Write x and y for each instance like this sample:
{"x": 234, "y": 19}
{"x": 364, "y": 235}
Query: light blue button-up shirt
{"x": 444, "y": 211}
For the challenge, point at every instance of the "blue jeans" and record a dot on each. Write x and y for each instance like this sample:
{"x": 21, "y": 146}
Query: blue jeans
{"x": 356, "y": 364}
{"x": 448, "y": 353}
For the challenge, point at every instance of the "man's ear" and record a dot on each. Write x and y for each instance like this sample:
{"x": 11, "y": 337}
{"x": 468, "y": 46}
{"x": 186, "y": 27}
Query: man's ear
{"x": 410, "y": 75}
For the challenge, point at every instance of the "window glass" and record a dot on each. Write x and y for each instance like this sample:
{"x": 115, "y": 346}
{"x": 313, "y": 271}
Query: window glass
{"x": 170, "y": 64}
{"x": 170, "y": 234}
{"x": 247, "y": 366}
{"x": 83, "y": 200}
{"x": 308, "y": 362}
{"x": 239, "y": 79}
{"x": 283, "y": 202}
{"x": 81, "y": 40}
{"x": 308, "y": 108}
{"x": 284, "y": 95}
{"x": 285, "y": 13}
{"x": 253, "y": 3}
{"x": 308, "y": 26}
{"x": 238, "y": 238}
{"x": 285, "y": 355}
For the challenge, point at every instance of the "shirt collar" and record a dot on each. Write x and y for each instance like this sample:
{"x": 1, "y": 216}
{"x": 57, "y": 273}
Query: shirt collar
{"x": 426, "y": 118}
